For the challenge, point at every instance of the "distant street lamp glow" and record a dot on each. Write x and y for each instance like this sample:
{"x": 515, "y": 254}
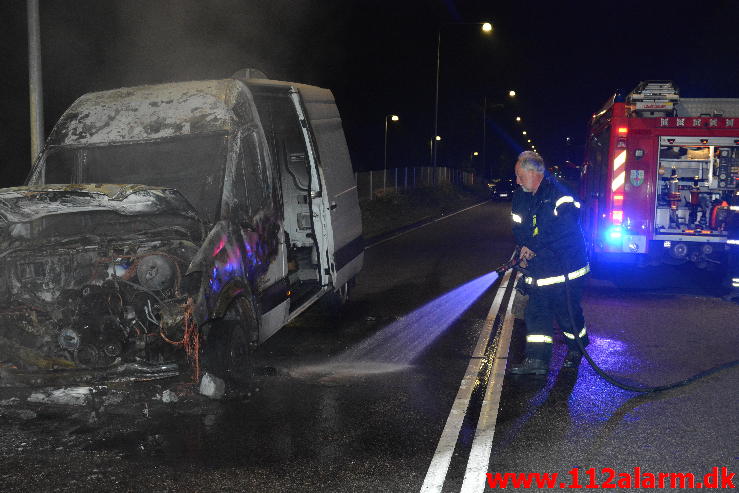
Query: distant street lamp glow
{"x": 394, "y": 118}
{"x": 438, "y": 137}
{"x": 524, "y": 132}
{"x": 475, "y": 153}
{"x": 487, "y": 27}
{"x": 518, "y": 118}
{"x": 529, "y": 141}
{"x": 512, "y": 93}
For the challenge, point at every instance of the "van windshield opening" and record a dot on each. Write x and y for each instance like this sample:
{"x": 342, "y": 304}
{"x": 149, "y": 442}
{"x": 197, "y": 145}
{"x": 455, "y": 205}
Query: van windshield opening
{"x": 194, "y": 165}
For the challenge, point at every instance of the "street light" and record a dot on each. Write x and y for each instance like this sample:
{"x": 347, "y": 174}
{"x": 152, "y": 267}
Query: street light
{"x": 394, "y": 118}
{"x": 524, "y": 132}
{"x": 487, "y": 28}
{"x": 512, "y": 93}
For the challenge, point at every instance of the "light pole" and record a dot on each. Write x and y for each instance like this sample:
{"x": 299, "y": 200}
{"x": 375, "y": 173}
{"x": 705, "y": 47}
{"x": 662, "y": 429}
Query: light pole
{"x": 35, "y": 86}
{"x": 487, "y": 28}
{"x": 394, "y": 118}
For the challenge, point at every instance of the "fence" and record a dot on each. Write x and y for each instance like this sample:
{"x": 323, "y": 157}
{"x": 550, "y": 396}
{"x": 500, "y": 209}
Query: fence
{"x": 399, "y": 180}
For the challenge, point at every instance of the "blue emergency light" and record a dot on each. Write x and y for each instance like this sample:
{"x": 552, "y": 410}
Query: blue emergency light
{"x": 613, "y": 235}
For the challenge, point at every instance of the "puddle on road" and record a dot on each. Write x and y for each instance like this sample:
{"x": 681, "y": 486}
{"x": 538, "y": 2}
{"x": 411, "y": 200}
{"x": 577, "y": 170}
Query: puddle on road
{"x": 329, "y": 373}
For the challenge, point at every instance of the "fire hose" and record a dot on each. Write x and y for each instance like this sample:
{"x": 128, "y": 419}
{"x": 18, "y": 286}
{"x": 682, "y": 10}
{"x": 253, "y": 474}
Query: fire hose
{"x": 513, "y": 263}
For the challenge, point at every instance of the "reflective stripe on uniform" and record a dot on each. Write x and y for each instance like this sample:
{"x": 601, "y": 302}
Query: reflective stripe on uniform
{"x": 546, "y": 281}
{"x": 516, "y": 218}
{"x": 579, "y": 272}
{"x": 550, "y": 280}
{"x": 570, "y": 335}
{"x": 539, "y": 338}
{"x": 566, "y": 199}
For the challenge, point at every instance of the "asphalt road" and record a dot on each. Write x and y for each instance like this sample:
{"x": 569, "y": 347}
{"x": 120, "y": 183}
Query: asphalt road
{"x": 358, "y": 402}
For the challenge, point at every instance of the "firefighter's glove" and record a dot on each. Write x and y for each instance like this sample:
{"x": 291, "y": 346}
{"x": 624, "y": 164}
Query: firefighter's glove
{"x": 525, "y": 256}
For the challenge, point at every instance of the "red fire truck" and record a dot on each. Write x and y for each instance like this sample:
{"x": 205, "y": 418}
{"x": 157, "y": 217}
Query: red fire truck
{"x": 660, "y": 179}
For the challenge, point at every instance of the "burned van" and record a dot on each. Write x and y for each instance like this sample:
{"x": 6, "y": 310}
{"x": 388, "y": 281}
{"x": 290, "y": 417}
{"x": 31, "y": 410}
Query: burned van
{"x": 177, "y": 220}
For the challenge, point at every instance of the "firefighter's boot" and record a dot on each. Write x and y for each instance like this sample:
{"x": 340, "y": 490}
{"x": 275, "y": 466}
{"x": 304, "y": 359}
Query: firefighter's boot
{"x": 530, "y": 366}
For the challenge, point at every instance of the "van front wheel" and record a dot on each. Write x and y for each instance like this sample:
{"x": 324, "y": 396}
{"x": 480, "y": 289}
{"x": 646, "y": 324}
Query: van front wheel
{"x": 231, "y": 342}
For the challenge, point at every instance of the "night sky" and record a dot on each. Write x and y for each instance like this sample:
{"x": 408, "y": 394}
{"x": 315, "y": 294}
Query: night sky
{"x": 564, "y": 59}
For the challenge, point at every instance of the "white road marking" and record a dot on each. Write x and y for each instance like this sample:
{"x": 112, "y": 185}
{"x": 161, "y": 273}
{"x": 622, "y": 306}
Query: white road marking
{"x": 423, "y": 225}
{"x": 439, "y": 466}
{"x": 479, "y": 458}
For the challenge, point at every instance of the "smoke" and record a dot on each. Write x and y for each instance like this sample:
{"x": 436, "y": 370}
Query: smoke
{"x": 190, "y": 40}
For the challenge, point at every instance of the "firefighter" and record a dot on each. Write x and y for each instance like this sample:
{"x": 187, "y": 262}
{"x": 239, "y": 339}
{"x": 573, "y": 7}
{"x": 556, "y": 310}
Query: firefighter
{"x": 546, "y": 225}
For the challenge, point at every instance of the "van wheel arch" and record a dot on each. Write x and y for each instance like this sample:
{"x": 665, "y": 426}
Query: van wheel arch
{"x": 232, "y": 337}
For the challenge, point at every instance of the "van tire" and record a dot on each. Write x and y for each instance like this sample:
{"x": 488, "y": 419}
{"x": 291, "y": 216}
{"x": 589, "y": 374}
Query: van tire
{"x": 334, "y": 301}
{"x": 229, "y": 348}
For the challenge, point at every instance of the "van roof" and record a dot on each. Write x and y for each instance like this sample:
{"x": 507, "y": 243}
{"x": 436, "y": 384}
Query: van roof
{"x": 149, "y": 112}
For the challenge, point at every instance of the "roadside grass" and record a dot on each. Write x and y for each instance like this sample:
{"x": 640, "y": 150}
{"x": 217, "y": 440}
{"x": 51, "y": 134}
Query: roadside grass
{"x": 390, "y": 211}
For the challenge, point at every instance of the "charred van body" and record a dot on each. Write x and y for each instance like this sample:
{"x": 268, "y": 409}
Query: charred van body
{"x": 185, "y": 219}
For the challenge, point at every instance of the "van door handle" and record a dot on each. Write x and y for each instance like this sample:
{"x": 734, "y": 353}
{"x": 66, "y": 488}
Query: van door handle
{"x": 333, "y": 206}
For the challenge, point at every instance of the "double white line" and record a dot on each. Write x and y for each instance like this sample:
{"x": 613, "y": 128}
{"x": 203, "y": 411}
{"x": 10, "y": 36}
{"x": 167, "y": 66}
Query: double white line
{"x": 477, "y": 464}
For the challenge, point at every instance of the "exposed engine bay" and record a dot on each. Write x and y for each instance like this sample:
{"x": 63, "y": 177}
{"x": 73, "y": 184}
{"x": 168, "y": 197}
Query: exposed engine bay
{"x": 94, "y": 276}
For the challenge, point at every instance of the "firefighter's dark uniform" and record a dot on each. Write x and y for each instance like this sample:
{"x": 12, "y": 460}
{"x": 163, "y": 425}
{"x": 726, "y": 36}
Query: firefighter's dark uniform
{"x": 548, "y": 223}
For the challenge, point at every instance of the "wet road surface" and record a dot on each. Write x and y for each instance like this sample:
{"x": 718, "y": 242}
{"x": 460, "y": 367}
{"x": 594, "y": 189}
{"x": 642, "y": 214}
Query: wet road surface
{"x": 658, "y": 327}
{"x": 358, "y": 402}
